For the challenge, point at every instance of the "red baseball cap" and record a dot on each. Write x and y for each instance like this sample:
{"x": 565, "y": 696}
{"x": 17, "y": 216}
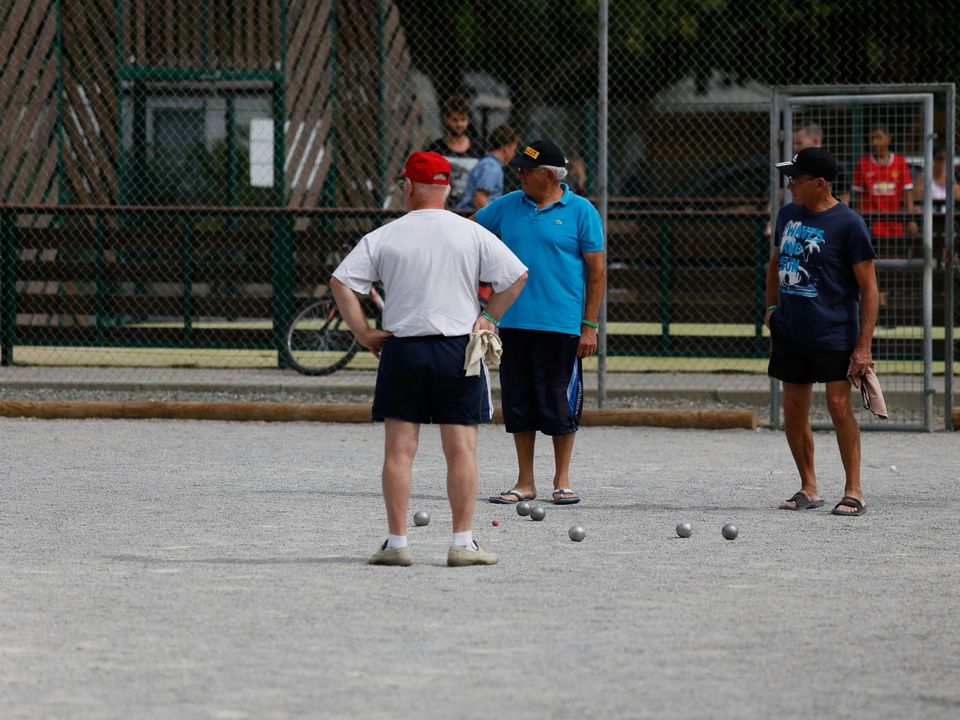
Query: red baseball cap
{"x": 424, "y": 167}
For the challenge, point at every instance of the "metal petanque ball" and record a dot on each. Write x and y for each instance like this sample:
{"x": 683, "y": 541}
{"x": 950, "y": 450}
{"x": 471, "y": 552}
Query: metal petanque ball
{"x": 684, "y": 529}
{"x": 421, "y": 518}
{"x": 730, "y": 531}
{"x": 523, "y": 508}
{"x": 537, "y": 513}
{"x": 577, "y": 533}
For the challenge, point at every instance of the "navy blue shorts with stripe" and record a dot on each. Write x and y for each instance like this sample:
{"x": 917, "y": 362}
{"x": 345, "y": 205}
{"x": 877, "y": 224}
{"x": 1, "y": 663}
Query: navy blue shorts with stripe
{"x": 541, "y": 380}
{"x": 795, "y": 363}
{"x": 421, "y": 380}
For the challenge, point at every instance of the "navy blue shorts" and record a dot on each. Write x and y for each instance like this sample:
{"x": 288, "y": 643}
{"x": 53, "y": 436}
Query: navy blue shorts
{"x": 794, "y": 363}
{"x": 541, "y": 380}
{"x": 421, "y": 380}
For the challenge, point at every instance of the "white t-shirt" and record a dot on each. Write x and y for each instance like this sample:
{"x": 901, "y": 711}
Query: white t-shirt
{"x": 430, "y": 263}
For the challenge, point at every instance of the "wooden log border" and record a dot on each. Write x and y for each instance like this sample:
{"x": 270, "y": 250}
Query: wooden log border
{"x": 345, "y": 413}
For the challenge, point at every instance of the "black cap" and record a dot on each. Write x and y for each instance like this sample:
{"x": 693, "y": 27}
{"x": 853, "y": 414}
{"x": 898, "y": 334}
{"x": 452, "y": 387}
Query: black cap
{"x": 813, "y": 161}
{"x": 537, "y": 153}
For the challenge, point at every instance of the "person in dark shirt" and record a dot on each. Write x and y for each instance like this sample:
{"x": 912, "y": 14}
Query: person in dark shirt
{"x": 460, "y": 149}
{"x": 822, "y": 302}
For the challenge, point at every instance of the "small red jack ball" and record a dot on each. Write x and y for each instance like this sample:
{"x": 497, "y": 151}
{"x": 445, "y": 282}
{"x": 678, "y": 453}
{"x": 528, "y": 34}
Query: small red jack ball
{"x": 496, "y": 523}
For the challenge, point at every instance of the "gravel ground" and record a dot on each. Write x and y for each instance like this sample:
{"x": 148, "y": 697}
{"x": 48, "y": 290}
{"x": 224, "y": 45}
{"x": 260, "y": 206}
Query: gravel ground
{"x": 162, "y": 569}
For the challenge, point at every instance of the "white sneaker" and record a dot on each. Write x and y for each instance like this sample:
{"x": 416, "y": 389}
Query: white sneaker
{"x": 459, "y": 556}
{"x": 394, "y": 556}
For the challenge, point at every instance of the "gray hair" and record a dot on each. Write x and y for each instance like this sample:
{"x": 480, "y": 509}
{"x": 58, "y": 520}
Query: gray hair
{"x": 428, "y": 189}
{"x": 559, "y": 173}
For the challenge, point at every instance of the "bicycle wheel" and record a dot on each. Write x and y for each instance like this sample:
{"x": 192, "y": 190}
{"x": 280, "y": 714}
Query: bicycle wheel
{"x": 318, "y": 341}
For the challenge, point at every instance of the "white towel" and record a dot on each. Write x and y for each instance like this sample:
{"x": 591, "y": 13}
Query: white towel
{"x": 483, "y": 344}
{"x": 869, "y": 386}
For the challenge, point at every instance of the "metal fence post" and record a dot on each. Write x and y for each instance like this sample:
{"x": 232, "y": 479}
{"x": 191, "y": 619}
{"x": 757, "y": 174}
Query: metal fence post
{"x": 950, "y": 280}
{"x": 602, "y": 187}
{"x": 928, "y": 264}
{"x": 186, "y": 256}
{"x": 282, "y": 254}
{"x": 100, "y": 299}
{"x": 282, "y": 250}
{"x": 61, "y": 180}
{"x": 759, "y": 288}
{"x": 230, "y": 118}
{"x": 665, "y": 281}
{"x": 777, "y": 136}
{"x": 8, "y": 298}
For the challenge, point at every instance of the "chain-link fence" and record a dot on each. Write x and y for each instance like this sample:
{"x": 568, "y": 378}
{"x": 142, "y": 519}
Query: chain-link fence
{"x": 223, "y": 155}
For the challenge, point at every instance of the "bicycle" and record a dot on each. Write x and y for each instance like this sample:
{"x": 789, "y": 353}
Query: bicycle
{"x": 318, "y": 342}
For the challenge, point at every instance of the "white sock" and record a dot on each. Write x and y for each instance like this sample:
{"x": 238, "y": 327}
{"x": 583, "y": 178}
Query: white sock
{"x": 396, "y": 541}
{"x": 464, "y": 539}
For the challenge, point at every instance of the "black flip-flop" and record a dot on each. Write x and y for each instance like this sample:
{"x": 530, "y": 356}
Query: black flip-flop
{"x": 802, "y": 502}
{"x": 520, "y": 497}
{"x": 847, "y": 501}
{"x": 567, "y": 497}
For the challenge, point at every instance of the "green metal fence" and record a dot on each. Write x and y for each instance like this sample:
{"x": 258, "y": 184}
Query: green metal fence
{"x": 222, "y": 278}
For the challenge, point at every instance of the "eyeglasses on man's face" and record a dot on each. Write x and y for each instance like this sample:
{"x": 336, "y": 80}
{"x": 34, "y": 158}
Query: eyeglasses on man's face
{"x": 799, "y": 180}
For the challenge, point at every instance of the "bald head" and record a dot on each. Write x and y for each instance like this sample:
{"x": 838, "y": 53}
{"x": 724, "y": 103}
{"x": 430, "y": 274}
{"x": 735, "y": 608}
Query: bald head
{"x": 807, "y": 135}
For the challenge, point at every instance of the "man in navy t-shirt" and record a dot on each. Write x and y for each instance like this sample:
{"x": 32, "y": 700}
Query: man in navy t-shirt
{"x": 822, "y": 304}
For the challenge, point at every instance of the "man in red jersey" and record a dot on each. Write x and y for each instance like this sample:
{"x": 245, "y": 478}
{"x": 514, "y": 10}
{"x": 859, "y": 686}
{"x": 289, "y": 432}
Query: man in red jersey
{"x": 882, "y": 184}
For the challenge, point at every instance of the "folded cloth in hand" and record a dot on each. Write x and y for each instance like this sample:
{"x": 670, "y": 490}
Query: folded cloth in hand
{"x": 483, "y": 344}
{"x": 869, "y": 386}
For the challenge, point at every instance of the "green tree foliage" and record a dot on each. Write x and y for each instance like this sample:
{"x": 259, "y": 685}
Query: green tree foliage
{"x": 546, "y": 51}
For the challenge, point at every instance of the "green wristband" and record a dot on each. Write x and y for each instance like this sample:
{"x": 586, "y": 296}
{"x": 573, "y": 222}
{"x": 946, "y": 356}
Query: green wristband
{"x": 491, "y": 318}
{"x": 771, "y": 308}
{"x": 589, "y": 323}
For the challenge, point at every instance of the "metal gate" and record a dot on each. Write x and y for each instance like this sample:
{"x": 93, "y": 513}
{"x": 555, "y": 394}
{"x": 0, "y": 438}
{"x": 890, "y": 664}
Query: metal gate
{"x": 911, "y": 226}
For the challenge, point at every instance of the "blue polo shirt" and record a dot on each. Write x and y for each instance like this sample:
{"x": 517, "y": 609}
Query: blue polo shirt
{"x": 551, "y": 243}
{"x": 486, "y": 175}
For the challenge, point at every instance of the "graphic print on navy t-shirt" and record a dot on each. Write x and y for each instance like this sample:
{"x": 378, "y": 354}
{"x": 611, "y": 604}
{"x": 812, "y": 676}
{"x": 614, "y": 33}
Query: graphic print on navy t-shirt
{"x": 818, "y": 303}
{"x": 799, "y": 244}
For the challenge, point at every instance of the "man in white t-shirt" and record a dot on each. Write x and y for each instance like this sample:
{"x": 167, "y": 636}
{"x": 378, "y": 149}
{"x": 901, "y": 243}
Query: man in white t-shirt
{"x": 430, "y": 262}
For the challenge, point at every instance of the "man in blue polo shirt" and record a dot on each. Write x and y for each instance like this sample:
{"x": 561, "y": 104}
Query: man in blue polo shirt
{"x": 553, "y": 324}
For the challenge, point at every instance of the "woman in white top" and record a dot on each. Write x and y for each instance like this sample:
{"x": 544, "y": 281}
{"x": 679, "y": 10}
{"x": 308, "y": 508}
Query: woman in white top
{"x": 938, "y": 186}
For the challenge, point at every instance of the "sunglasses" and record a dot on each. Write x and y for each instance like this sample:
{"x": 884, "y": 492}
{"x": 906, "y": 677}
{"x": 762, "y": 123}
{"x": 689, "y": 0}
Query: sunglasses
{"x": 799, "y": 180}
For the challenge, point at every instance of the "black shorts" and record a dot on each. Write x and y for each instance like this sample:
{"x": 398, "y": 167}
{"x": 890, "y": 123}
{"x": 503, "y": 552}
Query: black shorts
{"x": 421, "y": 380}
{"x": 541, "y": 380}
{"x": 794, "y": 363}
